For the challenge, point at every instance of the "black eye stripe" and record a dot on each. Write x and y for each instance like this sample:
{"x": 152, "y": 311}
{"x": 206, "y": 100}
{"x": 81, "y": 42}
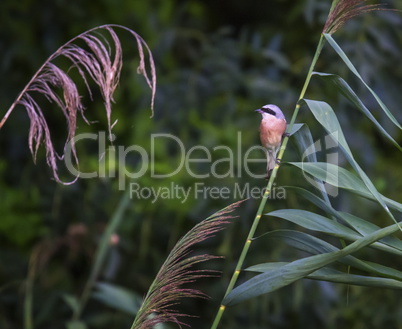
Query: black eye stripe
{"x": 268, "y": 111}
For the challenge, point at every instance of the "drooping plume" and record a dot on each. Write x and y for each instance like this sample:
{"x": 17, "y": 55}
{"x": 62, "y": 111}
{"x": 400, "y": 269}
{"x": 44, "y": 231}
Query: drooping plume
{"x": 98, "y": 60}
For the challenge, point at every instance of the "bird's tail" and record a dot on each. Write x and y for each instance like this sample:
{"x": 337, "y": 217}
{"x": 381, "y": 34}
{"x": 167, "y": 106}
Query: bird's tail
{"x": 271, "y": 161}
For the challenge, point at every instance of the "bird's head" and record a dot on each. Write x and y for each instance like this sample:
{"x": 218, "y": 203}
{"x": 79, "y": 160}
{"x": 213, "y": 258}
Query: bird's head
{"x": 271, "y": 110}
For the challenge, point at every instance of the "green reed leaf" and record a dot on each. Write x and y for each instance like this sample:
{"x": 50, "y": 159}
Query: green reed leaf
{"x": 295, "y": 128}
{"x": 306, "y": 146}
{"x": 342, "y": 178}
{"x": 325, "y": 115}
{"x": 332, "y": 275}
{"x": 118, "y": 298}
{"x": 351, "y": 67}
{"x": 348, "y": 92}
{"x": 102, "y": 250}
{"x": 320, "y": 203}
{"x": 315, "y": 222}
{"x": 298, "y": 269}
{"x": 358, "y": 224}
{"x": 313, "y": 245}
{"x": 365, "y": 227}
{"x": 323, "y": 224}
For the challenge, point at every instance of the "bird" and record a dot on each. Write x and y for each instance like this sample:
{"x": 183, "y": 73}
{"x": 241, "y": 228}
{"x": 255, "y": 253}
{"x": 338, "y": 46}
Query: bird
{"x": 272, "y": 131}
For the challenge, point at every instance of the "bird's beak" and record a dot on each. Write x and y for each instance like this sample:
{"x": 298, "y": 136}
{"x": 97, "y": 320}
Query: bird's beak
{"x": 259, "y": 111}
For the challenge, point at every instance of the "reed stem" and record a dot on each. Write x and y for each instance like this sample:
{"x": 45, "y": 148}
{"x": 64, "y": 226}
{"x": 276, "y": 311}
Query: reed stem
{"x": 250, "y": 236}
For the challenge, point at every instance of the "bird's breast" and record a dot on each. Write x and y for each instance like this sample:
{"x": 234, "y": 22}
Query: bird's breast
{"x": 271, "y": 132}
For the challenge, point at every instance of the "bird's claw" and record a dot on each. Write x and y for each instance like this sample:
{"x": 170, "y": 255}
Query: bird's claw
{"x": 268, "y": 174}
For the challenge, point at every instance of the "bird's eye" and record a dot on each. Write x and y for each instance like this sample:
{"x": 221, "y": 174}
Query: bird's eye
{"x": 269, "y": 111}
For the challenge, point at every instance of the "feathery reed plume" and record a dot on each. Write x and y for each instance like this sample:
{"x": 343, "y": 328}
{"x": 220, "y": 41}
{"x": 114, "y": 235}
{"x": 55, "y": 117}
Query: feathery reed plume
{"x": 343, "y": 10}
{"x": 166, "y": 289}
{"x": 101, "y": 63}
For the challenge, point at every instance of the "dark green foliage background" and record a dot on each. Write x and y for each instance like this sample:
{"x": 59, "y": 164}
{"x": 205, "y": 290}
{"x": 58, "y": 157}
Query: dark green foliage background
{"x": 216, "y": 62}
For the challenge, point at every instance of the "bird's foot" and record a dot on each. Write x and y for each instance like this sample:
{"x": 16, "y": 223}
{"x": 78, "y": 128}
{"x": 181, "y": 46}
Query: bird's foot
{"x": 268, "y": 174}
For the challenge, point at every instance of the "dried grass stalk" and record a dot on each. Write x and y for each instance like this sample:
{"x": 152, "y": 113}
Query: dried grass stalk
{"x": 167, "y": 288}
{"x": 101, "y": 62}
{"x": 343, "y": 10}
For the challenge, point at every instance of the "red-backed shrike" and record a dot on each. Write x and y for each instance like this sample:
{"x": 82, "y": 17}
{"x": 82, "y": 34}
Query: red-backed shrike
{"x": 272, "y": 130}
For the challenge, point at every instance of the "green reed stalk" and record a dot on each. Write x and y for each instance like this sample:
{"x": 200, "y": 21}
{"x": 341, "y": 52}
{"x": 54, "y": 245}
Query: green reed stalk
{"x": 101, "y": 252}
{"x": 268, "y": 190}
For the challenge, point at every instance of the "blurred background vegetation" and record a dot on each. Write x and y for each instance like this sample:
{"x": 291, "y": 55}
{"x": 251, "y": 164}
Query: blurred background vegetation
{"x": 216, "y": 62}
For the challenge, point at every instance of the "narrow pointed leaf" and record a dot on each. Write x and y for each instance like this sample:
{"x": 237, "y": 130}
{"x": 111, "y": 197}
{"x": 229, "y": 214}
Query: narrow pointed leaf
{"x": 364, "y": 227}
{"x": 315, "y": 246}
{"x": 345, "y": 89}
{"x": 351, "y": 67}
{"x": 334, "y": 175}
{"x": 320, "y": 203}
{"x": 306, "y": 145}
{"x": 342, "y": 178}
{"x": 360, "y": 225}
{"x": 291, "y": 272}
{"x": 325, "y": 115}
{"x": 102, "y": 250}
{"x": 295, "y": 128}
{"x": 316, "y": 222}
{"x": 322, "y": 224}
{"x": 71, "y": 301}
{"x": 117, "y": 297}
{"x": 332, "y": 275}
